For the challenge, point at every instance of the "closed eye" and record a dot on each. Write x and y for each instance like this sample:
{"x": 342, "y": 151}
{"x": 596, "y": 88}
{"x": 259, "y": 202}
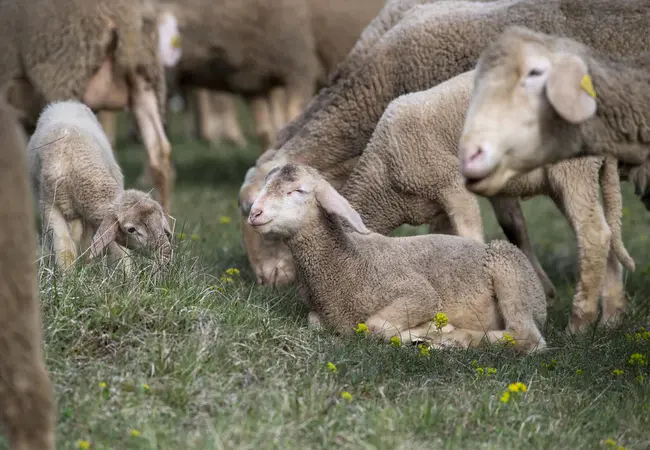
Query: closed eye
{"x": 535, "y": 73}
{"x": 300, "y": 191}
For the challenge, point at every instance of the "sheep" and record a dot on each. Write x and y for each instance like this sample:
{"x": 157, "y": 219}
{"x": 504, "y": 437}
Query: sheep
{"x": 579, "y": 101}
{"x": 28, "y": 406}
{"x": 216, "y": 115}
{"x": 409, "y": 173}
{"x": 397, "y": 285}
{"x": 101, "y": 52}
{"x": 431, "y": 43}
{"x": 80, "y": 191}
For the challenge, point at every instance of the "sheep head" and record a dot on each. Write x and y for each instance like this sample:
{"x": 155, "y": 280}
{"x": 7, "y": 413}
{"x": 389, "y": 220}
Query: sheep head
{"x": 291, "y": 197}
{"x": 137, "y": 222}
{"x": 531, "y": 93}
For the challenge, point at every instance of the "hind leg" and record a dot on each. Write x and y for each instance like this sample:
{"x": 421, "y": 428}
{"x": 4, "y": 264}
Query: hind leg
{"x": 614, "y": 302}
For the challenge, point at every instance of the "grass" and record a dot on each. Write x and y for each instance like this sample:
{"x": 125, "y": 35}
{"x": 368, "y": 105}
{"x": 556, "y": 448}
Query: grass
{"x": 198, "y": 363}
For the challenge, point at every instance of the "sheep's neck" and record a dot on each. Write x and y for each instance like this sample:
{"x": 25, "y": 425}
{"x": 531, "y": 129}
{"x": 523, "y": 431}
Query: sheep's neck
{"x": 622, "y": 125}
{"x": 321, "y": 251}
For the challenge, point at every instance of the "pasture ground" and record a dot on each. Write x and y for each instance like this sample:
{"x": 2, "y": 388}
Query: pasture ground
{"x": 199, "y": 363}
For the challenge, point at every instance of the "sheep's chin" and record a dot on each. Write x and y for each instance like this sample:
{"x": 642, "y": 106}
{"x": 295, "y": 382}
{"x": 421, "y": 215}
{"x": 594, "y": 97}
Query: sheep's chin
{"x": 263, "y": 228}
{"x": 492, "y": 183}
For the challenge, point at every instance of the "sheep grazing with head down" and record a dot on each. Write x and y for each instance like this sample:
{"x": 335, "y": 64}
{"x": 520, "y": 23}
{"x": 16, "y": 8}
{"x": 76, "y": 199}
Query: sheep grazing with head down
{"x": 27, "y": 408}
{"x": 396, "y": 285}
{"x": 539, "y": 99}
{"x": 80, "y": 191}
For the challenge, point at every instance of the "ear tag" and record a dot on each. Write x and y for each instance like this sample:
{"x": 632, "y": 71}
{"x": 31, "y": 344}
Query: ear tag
{"x": 587, "y": 86}
{"x": 176, "y": 41}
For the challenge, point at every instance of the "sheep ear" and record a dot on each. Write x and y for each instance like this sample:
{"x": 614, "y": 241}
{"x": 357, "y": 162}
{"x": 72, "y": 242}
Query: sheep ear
{"x": 569, "y": 89}
{"x": 106, "y": 233}
{"x": 334, "y": 203}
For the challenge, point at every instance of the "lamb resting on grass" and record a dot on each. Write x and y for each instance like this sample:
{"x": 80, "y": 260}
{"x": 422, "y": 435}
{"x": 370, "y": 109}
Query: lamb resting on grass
{"x": 396, "y": 286}
{"x": 80, "y": 191}
{"x": 409, "y": 173}
{"x": 27, "y": 408}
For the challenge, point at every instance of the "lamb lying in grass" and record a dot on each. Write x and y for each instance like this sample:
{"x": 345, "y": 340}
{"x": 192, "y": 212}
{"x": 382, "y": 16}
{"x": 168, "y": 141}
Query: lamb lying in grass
{"x": 80, "y": 191}
{"x": 396, "y": 286}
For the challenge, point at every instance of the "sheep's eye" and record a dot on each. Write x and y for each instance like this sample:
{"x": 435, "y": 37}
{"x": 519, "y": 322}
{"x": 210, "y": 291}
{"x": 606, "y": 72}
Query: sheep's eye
{"x": 300, "y": 191}
{"x": 535, "y": 73}
{"x": 131, "y": 230}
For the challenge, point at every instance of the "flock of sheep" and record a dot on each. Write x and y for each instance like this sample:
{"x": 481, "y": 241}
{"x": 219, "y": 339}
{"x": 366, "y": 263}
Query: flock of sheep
{"x": 422, "y": 106}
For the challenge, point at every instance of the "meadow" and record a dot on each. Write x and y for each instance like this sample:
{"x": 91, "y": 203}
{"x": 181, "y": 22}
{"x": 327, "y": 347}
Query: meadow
{"x": 208, "y": 360}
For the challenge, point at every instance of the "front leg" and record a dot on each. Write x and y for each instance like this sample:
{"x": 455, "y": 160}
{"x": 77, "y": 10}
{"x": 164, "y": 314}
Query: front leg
{"x": 122, "y": 257}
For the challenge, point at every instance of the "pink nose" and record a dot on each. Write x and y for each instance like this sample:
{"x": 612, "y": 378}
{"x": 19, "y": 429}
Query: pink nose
{"x": 254, "y": 216}
{"x": 473, "y": 161}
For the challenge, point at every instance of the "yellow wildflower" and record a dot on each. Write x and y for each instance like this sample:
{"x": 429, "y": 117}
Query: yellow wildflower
{"x": 224, "y": 220}
{"x": 640, "y": 379}
{"x": 617, "y": 372}
{"x": 346, "y": 395}
{"x": 509, "y": 339}
{"x": 440, "y": 320}
{"x": 332, "y": 367}
{"x": 424, "y": 350}
{"x": 232, "y": 272}
{"x": 180, "y": 236}
{"x": 145, "y": 386}
{"x": 102, "y": 385}
{"x": 480, "y": 371}
{"x": 517, "y": 387}
{"x": 194, "y": 237}
{"x": 491, "y": 371}
{"x": 578, "y": 371}
{"x": 505, "y": 397}
{"x": 609, "y": 442}
{"x": 362, "y": 328}
{"x": 135, "y": 433}
{"x": 550, "y": 365}
{"x": 226, "y": 279}
{"x": 638, "y": 359}
{"x": 83, "y": 444}
{"x": 395, "y": 341}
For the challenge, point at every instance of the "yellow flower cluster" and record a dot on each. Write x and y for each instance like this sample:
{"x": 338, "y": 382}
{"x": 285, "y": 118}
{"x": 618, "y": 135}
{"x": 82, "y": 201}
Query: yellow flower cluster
{"x": 395, "y": 341}
{"x": 440, "y": 320}
{"x": 617, "y": 372}
{"x": 230, "y": 275}
{"x": 83, "y": 444}
{"x": 362, "y": 328}
{"x": 513, "y": 388}
{"x": 332, "y": 367}
{"x": 424, "y": 350}
{"x": 225, "y": 220}
{"x": 102, "y": 385}
{"x": 609, "y": 442}
{"x": 640, "y": 336}
{"x": 638, "y": 359}
{"x": 509, "y": 339}
{"x": 550, "y": 365}
{"x": 135, "y": 433}
{"x": 487, "y": 371}
{"x": 346, "y": 395}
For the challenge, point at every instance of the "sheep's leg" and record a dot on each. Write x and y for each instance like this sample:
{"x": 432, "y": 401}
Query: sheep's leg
{"x": 584, "y": 212}
{"x": 511, "y": 219}
{"x": 296, "y": 101}
{"x": 108, "y": 121}
{"x": 614, "y": 302}
{"x": 464, "y": 214}
{"x": 278, "y": 102}
{"x": 145, "y": 109}
{"x": 263, "y": 122}
{"x": 63, "y": 246}
{"x": 120, "y": 256}
{"x": 208, "y": 128}
{"x": 226, "y": 108}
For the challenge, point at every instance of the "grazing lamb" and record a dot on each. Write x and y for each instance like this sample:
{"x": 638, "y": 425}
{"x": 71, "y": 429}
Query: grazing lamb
{"x": 409, "y": 173}
{"x": 539, "y": 99}
{"x": 431, "y": 44}
{"x": 102, "y": 52}
{"x": 80, "y": 191}
{"x": 397, "y": 285}
{"x": 27, "y": 408}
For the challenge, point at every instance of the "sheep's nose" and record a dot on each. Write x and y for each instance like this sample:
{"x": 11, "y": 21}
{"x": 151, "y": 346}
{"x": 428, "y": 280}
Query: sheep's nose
{"x": 474, "y": 160}
{"x": 254, "y": 215}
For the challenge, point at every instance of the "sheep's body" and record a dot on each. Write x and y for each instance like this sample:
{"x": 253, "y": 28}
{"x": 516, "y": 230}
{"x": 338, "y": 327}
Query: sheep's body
{"x": 101, "y": 52}
{"x": 28, "y": 408}
{"x": 78, "y": 183}
{"x": 582, "y": 101}
{"x": 429, "y": 45}
{"x": 397, "y": 285}
{"x": 409, "y": 173}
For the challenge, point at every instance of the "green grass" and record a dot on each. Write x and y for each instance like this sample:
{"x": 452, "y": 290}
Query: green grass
{"x": 234, "y": 366}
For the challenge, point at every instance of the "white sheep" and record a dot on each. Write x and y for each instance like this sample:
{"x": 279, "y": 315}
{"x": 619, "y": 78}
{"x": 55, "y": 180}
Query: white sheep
{"x": 80, "y": 191}
{"x": 396, "y": 286}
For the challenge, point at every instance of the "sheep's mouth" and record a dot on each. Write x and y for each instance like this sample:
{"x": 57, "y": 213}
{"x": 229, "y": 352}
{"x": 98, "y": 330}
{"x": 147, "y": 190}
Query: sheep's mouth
{"x": 490, "y": 183}
{"x": 259, "y": 225}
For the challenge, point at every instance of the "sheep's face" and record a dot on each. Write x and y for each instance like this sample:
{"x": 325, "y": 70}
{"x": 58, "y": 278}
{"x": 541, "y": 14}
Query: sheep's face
{"x": 526, "y": 95}
{"x": 253, "y": 181}
{"x": 284, "y": 202}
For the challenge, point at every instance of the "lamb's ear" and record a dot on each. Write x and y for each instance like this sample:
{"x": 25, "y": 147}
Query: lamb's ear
{"x": 334, "y": 203}
{"x": 569, "y": 89}
{"x": 106, "y": 233}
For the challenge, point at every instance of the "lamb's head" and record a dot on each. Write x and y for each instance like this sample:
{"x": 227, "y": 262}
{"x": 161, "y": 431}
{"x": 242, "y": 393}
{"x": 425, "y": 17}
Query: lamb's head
{"x": 532, "y": 91}
{"x": 291, "y": 198}
{"x": 255, "y": 177}
{"x": 138, "y": 222}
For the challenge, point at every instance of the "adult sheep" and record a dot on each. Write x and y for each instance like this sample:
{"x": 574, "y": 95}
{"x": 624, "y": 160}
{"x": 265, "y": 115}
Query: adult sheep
{"x": 555, "y": 99}
{"x": 28, "y": 408}
{"x": 101, "y": 52}
{"x": 431, "y": 43}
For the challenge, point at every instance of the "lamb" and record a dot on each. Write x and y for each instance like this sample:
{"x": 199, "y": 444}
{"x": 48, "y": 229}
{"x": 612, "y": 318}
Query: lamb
{"x": 397, "y": 285}
{"x": 409, "y": 173}
{"x": 579, "y": 101}
{"x": 80, "y": 191}
{"x": 429, "y": 45}
{"x": 101, "y": 52}
{"x": 28, "y": 406}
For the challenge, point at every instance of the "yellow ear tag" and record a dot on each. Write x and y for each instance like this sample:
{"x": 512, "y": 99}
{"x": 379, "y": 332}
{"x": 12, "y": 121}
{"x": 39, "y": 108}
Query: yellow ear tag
{"x": 176, "y": 41}
{"x": 585, "y": 84}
